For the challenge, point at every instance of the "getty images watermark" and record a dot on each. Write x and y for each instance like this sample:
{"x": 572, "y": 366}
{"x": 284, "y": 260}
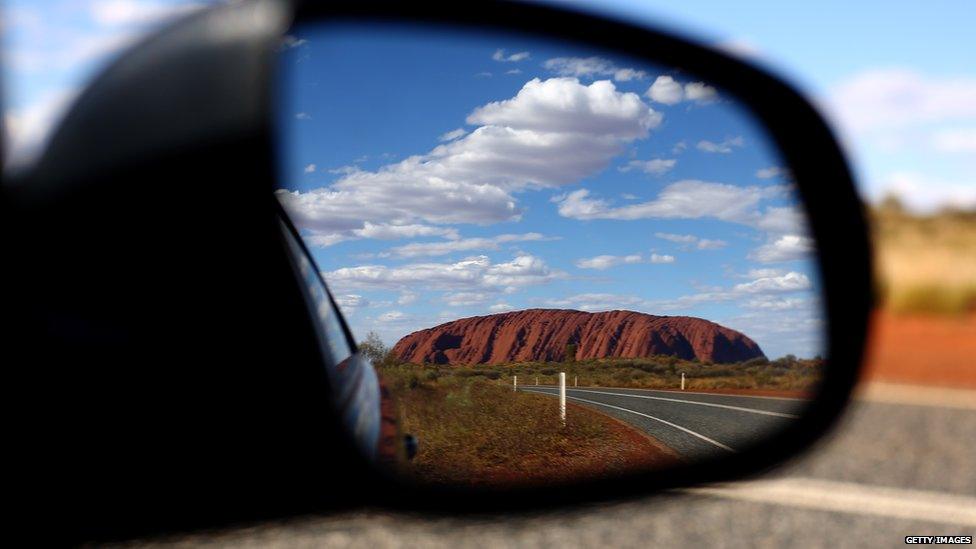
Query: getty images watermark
{"x": 936, "y": 540}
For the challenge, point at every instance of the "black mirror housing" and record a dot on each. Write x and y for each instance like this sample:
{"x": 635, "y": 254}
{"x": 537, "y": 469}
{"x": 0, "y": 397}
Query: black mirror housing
{"x": 156, "y": 327}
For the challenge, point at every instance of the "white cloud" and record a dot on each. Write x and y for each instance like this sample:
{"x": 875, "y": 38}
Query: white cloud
{"x": 689, "y": 199}
{"x": 452, "y": 135}
{"x": 889, "y": 112}
{"x": 656, "y": 166}
{"x": 927, "y": 194}
{"x": 666, "y": 90}
{"x": 955, "y": 141}
{"x": 500, "y": 307}
{"x": 789, "y": 282}
{"x": 302, "y": 116}
{"x": 785, "y": 248}
{"x": 465, "y": 299}
{"x": 708, "y": 244}
{"x": 116, "y": 13}
{"x": 742, "y": 47}
{"x": 723, "y": 147}
{"x": 770, "y": 172}
{"x": 513, "y": 71}
{"x": 782, "y": 219}
{"x": 344, "y": 170}
{"x": 470, "y": 274}
{"x": 392, "y": 316}
{"x": 551, "y": 133}
{"x": 764, "y": 272}
{"x": 884, "y": 99}
{"x": 407, "y": 297}
{"x": 597, "y": 301}
{"x": 669, "y": 91}
{"x": 591, "y": 67}
{"x": 310, "y": 168}
{"x": 755, "y": 289}
{"x": 776, "y": 303}
{"x": 349, "y": 303}
{"x": 679, "y": 238}
{"x": 602, "y": 262}
{"x": 563, "y": 105}
{"x": 380, "y": 231}
{"x": 779, "y": 306}
{"x": 384, "y": 231}
{"x": 699, "y": 92}
{"x": 289, "y": 41}
{"x": 524, "y": 270}
{"x": 798, "y": 330}
{"x": 418, "y": 249}
{"x": 499, "y": 55}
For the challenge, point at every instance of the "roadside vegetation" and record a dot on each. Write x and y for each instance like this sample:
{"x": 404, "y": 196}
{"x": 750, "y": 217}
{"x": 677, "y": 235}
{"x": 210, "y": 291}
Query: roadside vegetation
{"x": 925, "y": 263}
{"x": 788, "y": 374}
{"x": 473, "y": 428}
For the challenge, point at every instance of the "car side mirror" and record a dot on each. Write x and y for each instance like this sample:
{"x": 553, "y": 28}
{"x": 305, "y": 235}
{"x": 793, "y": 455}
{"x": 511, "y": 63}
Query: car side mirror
{"x": 645, "y": 254}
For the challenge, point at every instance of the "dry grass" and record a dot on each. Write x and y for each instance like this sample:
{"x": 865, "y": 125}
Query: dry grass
{"x": 925, "y": 264}
{"x": 475, "y": 430}
{"x": 659, "y": 372}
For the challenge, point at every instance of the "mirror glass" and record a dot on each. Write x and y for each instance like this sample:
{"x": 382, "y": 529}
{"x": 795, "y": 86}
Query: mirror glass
{"x": 502, "y": 218}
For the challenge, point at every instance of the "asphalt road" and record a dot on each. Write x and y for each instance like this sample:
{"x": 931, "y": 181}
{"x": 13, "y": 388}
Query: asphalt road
{"x": 696, "y": 425}
{"x": 899, "y": 464}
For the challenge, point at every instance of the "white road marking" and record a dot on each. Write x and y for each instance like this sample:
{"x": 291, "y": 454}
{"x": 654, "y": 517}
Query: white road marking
{"x": 680, "y": 428}
{"x": 679, "y": 392}
{"x": 894, "y": 393}
{"x": 712, "y": 404}
{"x": 849, "y": 497}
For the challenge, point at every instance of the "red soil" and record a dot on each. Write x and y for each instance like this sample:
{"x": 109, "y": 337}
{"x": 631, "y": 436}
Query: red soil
{"x": 926, "y": 350}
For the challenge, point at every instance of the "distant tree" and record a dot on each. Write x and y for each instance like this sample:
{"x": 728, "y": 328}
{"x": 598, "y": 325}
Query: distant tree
{"x": 570, "y": 355}
{"x": 892, "y": 204}
{"x": 373, "y": 348}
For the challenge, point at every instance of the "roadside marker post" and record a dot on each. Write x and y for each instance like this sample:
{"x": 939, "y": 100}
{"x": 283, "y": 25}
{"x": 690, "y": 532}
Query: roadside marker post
{"x": 682, "y": 381}
{"x": 515, "y": 383}
{"x": 562, "y": 397}
{"x": 537, "y": 380}
{"x": 575, "y": 381}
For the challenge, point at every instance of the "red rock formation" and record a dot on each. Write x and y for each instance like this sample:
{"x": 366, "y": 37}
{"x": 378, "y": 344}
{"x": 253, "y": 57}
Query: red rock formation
{"x": 543, "y": 334}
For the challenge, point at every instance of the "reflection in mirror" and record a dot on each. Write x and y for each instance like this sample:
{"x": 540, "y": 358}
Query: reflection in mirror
{"x": 505, "y": 220}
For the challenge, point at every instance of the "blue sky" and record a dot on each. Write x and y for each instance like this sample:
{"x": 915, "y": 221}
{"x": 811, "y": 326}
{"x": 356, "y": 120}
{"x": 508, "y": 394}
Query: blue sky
{"x": 457, "y": 175}
{"x": 897, "y": 79}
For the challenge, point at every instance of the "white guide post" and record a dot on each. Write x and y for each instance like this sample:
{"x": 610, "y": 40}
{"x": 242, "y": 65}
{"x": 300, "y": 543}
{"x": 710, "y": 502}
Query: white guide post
{"x": 562, "y": 397}
{"x": 575, "y": 381}
{"x": 515, "y": 383}
{"x": 537, "y": 380}
{"x": 682, "y": 381}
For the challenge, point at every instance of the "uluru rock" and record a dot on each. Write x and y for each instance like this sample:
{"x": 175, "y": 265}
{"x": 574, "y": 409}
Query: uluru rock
{"x": 543, "y": 334}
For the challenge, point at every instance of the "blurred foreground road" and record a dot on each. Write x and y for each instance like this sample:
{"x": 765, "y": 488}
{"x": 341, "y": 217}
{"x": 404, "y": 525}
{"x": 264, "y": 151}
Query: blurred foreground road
{"x": 917, "y": 441}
